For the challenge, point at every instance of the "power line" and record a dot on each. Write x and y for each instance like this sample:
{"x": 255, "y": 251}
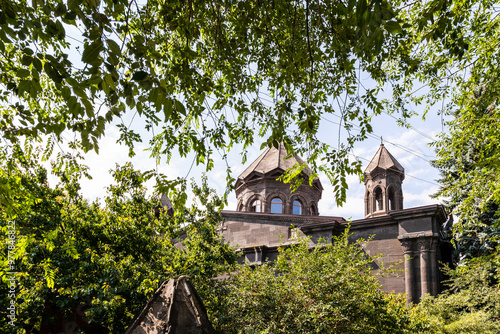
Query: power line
{"x": 412, "y": 176}
{"x": 392, "y": 116}
{"x": 411, "y": 127}
{"x": 375, "y": 136}
{"x": 419, "y": 155}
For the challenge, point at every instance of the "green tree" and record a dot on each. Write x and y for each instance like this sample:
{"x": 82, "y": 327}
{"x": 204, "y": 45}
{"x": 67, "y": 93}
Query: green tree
{"x": 328, "y": 289}
{"x": 448, "y": 48}
{"x": 468, "y": 160}
{"x": 470, "y": 305}
{"x": 78, "y": 66}
{"x": 85, "y": 266}
{"x": 181, "y": 66}
{"x": 454, "y": 62}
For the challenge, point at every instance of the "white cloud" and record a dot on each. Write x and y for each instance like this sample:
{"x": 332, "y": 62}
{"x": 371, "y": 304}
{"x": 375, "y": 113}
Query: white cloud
{"x": 416, "y": 192}
{"x": 411, "y": 150}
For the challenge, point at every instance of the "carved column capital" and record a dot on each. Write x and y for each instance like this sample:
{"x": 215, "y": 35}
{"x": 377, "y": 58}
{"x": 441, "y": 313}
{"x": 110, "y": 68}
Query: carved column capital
{"x": 434, "y": 244}
{"x": 407, "y": 246}
{"x": 424, "y": 244}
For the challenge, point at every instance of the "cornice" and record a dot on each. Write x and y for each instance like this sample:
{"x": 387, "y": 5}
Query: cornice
{"x": 419, "y": 211}
{"x": 418, "y": 235}
{"x": 320, "y": 226}
{"x": 379, "y": 220}
{"x": 392, "y": 217}
{"x": 303, "y": 219}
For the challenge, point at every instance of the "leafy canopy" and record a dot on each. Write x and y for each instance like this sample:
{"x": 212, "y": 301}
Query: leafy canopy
{"x": 205, "y": 76}
{"x": 197, "y": 73}
{"x": 82, "y": 265}
{"x": 470, "y": 305}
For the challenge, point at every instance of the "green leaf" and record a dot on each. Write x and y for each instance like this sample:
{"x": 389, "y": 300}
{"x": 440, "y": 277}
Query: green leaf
{"x": 167, "y": 108}
{"x": 66, "y": 92}
{"x": 139, "y": 76}
{"x": 26, "y": 60}
{"x": 23, "y": 73}
{"x": 114, "y": 48}
{"x": 73, "y": 4}
{"x": 91, "y": 53}
{"x": 393, "y": 27}
{"x": 52, "y": 72}
{"x": 180, "y": 107}
{"x": 23, "y": 87}
{"x": 37, "y": 63}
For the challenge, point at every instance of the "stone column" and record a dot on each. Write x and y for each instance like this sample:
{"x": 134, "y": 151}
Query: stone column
{"x": 424, "y": 246}
{"x": 434, "y": 267}
{"x": 409, "y": 272}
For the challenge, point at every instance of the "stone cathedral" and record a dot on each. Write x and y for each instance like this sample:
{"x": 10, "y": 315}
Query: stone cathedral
{"x": 267, "y": 211}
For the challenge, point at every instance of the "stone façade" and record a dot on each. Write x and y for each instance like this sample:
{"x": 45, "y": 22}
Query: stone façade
{"x": 411, "y": 238}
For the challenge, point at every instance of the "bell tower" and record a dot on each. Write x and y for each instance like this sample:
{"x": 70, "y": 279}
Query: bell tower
{"x": 383, "y": 183}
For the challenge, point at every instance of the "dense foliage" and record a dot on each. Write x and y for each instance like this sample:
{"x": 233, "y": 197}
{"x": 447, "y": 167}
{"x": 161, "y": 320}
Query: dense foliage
{"x": 328, "y": 289}
{"x": 470, "y": 305}
{"x": 278, "y": 66}
{"x": 449, "y": 45}
{"x": 80, "y": 265}
{"x": 204, "y": 76}
{"x": 468, "y": 160}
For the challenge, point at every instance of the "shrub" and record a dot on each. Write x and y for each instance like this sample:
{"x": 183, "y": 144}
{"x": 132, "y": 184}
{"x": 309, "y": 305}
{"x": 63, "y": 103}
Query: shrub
{"x": 327, "y": 289}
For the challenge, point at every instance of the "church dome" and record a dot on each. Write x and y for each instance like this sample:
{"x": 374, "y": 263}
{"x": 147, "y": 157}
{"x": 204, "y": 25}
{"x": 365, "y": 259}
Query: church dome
{"x": 258, "y": 190}
{"x": 383, "y": 160}
{"x": 384, "y": 177}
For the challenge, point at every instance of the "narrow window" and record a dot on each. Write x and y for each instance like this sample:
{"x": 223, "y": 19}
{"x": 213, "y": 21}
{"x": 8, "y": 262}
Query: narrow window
{"x": 313, "y": 211}
{"x": 367, "y": 203}
{"x": 293, "y": 233}
{"x": 392, "y": 199}
{"x": 276, "y": 205}
{"x": 379, "y": 199}
{"x": 256, "y": 206}
{"x": 297, "y": 208}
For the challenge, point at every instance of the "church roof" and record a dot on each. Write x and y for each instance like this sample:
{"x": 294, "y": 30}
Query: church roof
{"x": 383, "y": 159}
{"x": 272, "y": 159}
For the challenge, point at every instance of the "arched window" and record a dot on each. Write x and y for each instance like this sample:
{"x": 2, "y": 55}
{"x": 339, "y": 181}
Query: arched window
{"x": 276, "y": 205}
{"x": 313, "y": 211}
{"x": 297, "y": 208}
{"x": 256, "y": 206}
{"x": 379, "y": 199}
{"x": 392, "y": 199}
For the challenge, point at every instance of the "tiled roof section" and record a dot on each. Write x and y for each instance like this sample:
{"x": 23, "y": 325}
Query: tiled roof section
{"x": 273, "y": 158}
{"x": 383, "y": 159}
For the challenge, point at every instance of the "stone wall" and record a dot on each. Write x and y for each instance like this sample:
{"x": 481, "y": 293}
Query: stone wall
{"x": 410, "y": 239}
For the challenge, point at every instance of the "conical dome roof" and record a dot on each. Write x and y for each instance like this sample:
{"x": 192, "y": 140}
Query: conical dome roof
{"x": 272, "y": 159}
{"x": 259, "y": 185}
{"x": 383, "y": 159}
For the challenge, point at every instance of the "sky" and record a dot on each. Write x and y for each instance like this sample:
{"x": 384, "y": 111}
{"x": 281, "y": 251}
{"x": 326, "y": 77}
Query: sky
{"x": 409, "y": 146}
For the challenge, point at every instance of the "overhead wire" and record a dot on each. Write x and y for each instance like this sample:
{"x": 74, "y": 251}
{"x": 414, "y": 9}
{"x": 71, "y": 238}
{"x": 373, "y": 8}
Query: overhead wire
{"x": 371, "y": 135}
{"x": 406, "y": 174}
{"x": 374, "y": 136}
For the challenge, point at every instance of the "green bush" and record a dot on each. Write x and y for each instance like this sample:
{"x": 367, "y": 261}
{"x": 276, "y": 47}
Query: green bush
{"x": 470, "y": 305}
{"x": 327, "y": 289}
{"x": 90, "y": 267}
